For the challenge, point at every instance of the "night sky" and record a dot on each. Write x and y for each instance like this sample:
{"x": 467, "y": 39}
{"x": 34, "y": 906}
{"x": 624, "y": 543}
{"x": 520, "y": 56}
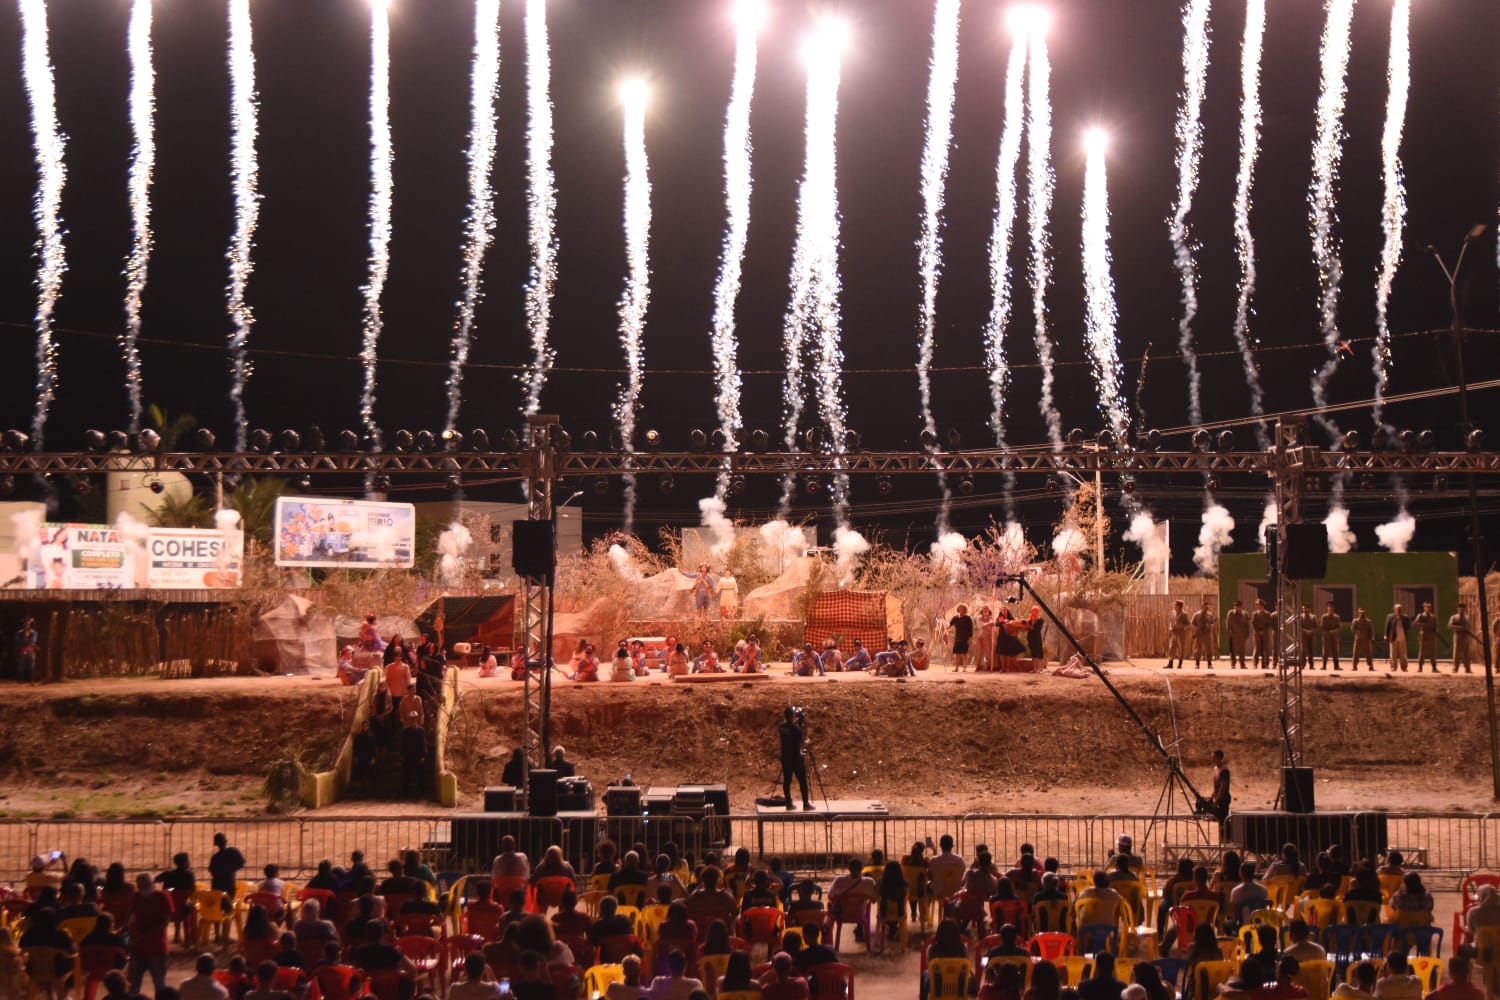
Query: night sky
{"x": 1116, "y": 64}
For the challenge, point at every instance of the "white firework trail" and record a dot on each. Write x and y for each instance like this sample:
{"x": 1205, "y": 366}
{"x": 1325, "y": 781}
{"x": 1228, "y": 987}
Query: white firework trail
{"x": 381, "y": 183}
{"x": 1393, "y": 209}
{"x": 637, "y": 294}
{"x": 49, "y": 147}
{"x": 542, "y": 200}
{"x": 941, "y": 83}
{"x": 813, "y": 314}
{"x": 1040, "y": 181}
{"x": 142, "y": 166}
{"x": 1000, "y": 243}
{"x": 244, "y": 168}
{"x": 1322, "y": 195}
{"x": 737, "y": 186}
{"x": 1244, "y": 239}
{"x": 479, "y": 227}
{"x": 1101, "y": 314}
{"x": 1189, "y": 154}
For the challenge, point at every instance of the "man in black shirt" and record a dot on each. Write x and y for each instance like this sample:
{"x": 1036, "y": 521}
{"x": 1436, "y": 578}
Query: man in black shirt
{"x": 1102, "y": 985}
{"x": 791, "y": 732}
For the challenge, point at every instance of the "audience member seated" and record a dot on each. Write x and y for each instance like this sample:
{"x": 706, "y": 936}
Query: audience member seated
{"x": 675, "y": 985}
{"x": 288, "y": 955}
{"x": 1102, "y": 985}
{"x": 1396, "y": 981}
{"x": 1107, "y": 902}
{"x": 1002, "y": 982}
{"x": 1290, "y": 863}
{"x": 804, "y": 904}
{"x": 311, "y": 926}
{"x": 631, "y": 988}
{"x": 1484, "y": 913}
{"x": 677, "y": 931}
{"x": 610, "y": 922}
{"x": 814, "y": 952}
{"x": 534, "y": 933}
{"x": 783, "y": 982}
{"x": 552, "y": 865}
{"x": 1458, "y": 986}
{"x": 1008, "y": 946}
{"x": 629, "y": 873}
{"x": 1046, "y": 984}
{"x": 665, "y": 877}
{"x": 760, "y": 892}
{"x": 1285, "y": 985}
{"x": 1247, "y": 897}
{"x": 509, "y": 863}
{"x": 474, "y": 986}
{"x": 1411, "y": 898}
{"x": 202, "y": 985}
{"x": 569, "y": 921}
{"x": 708, "y": 902}
{"x": 737, "y": 976}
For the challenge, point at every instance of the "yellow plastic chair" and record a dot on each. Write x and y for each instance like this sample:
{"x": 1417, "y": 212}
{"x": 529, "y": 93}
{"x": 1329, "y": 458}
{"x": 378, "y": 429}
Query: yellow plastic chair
{"x": 1208, "y": 975}
{"x": 1076, "y": 968}
{"x": 1282, "y": 890}
{"x": 1206, "y": 910}
{"x": 589, "y": 901}
{"x": 648, "y": 922}
{"x": 946, "y": 881}
{"x": 599, "y": 883}
{"x": 1429, "y": 970}
{"x": 889, "y": 912}
{"x": 1316, "y": 977}
{"x": 1389, "y": 884}
{"x": 1124, "y": 968}
{"x": 1133, "y": 893}
{"x": 1379, "y": 964}
{"x": 1322, "y": 912}
{"x": 214, "y": 910}
{"x": 44, "y": 974}
{"x": 1023, "y": 962}
{"x": 1229, "y": 948}
{"x": 916, "y": 892}
{"x": 77, "y": 928}
{"x": 633, "y": 896}
{"x": 634, "y": 914}
{"x": 1051, "y": 915}
{"x": 596, "y": 979}
{"x": 711, "y": 969}
{"x": 949, "y": 978}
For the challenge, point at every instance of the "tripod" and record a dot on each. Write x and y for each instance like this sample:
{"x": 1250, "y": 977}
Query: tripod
{"x": 817, "y": 773}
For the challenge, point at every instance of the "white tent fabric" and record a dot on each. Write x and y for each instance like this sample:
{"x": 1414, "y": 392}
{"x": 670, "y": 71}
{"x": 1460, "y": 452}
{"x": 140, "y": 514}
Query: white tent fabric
{"x": 295, "y": 637}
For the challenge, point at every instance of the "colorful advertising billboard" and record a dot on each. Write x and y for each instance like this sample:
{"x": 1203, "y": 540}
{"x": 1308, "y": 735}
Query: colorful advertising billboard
{"x": 193, "y": 558}
{"x": 345, "y": 534}
{"x": 81, "y": 557}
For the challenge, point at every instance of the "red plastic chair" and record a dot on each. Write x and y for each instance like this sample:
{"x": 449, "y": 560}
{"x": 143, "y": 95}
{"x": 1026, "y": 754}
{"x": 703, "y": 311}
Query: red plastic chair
{"x": 615, "y": 947}
{"x": 288, "y": 979}
{"x": 425, "y": 953}
{"x": 1052, "y": 945}
{"x": 328, "y": 902}
{"x": 98, "y": 961}
{"x": 311, "y": 949}
{"x": 233, "y": 982}
{"x": 567, "y": 980}
{"x": 850, "y": 911}
{"x": 502, "y": 888}
{"x": 483, "y": 923}
{"x": 456, "y": 951}
{"x": 334, "y": 981}
{"x": 763, "y": 925}
{"x": 418, "y": 923}
{"x": 184, "y": 916}
{"x": 1008, "y": 911}
{"x": 273, "y": 904}
{"x": 832, "y": 981}
{"x": 548, "y": 893}
{"x": 385, "y": 984}
{"x": 258, "y": 950}
{"x": 583, "y": 952}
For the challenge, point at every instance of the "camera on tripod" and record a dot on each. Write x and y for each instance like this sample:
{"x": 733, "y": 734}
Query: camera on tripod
{"x": 799, "y": 715}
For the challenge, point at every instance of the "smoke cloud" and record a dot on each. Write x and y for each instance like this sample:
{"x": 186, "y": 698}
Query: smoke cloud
{"x": 1267, "y": 518}
{"x": 624, "y": 565}
{"x": 1340, "y": 537}
{"x": 783, "y": 539}
{"x": 848, "y": 546}
{"x": 452, "y": 545}
{"x": 1069, "y": 541}
{"x": 721, "y": 527}
{"x": 1155, "y": 552}
{"x": 1395, "y": 535}
{"x": 948, "y": 553}
{"x": 1216, "y": 532}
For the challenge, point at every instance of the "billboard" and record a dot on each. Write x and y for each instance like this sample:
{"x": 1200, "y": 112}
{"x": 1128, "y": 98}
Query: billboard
{"x": 342, "y": 534}
{"x": 193, "y": 558}
{"x": 81, "y": 557}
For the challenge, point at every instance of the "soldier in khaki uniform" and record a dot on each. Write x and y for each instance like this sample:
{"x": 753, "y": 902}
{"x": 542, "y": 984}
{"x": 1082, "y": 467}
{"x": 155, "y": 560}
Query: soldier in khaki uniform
{"x": 1331, "y": 625}
{"x": 1307, "y": 626}
{"x": 1264, "y": 624}
{"x": 1463, "y": 636}
{"x": 1237, "y": 624}
{"x": 1427, "y": 626}
{"x": 1203, "y": 635}
{"x": 1177, "y": 631}
{"x": 1364, "y": 638}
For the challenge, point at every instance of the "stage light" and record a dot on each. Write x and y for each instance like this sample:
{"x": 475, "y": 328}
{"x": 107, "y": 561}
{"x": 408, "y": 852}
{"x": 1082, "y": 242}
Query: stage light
{"x": 812, "y": 438}
{"x": 653, "y": 439}
{"x": 1201, "y": 439}
{"x": 1351, "y": 440}
{"x": 1213, "y": 484}
{"x": 426, "y": 441}
{"x": 1367, "y": 482}
{"x": 291, "y": 440}
{"x": 616, "y": 441}
{"x": 718, "y": 440}
{"x": 883, "y": 485}
{"x": 1380, "y": 440}
{"x": 148, "y": 441}
{"x": 667, "y": 484}
{"x": 303, "y": 483}
{"x": 1127, "y": 484}
{"x": 759, "y": 440}
{"x": 953, "y": 438}
{"x": 7, "y": 485}
{"x": 1475, "y": 440}
{"x": 479, "y": 440}
{"x": 812, "y": 486}
{"x": 382, "y": 482}
{"x": 1153, "y": 439}
{"x": 510, "y": 440}
{"x": 1052, "y": 484}
{"x": 697, "y": 440}
{"x": 1075, "y": 438}
{"x": 965, "y": 487}
{"x": 1408, "y": 439}
{"x": 1439, "y": 483}
{"x": 929, "y": 440}
{"x": 1095, "y": 140}
{"x": 1226, "y": 440}
{"x": 736, "y": 485}
{"x": 348, "y": 440}
{"x": 454, "y": 482}
{"x": 82, "y": 486}
{"x": 749, "y": 15}
{"x": 590, "y": 440}
{"x": 1426, "y": 440}
{"x": 156, "y": 486}
{"x": 260, "y": 440}
{"x": 601, "y": 486}
{"x": 561, "y": 439}
{"x": 453, "y": 440}
{"x": 1105, "y": 439}
{"x": 1026, "y": 19}
{"x": 14, "y": 440}
{"x": 119, "y": 441}
{"x": 369, "y": 443}
{"x": 315, "y": 440}
{"x": 852, "y": 441}
{"x": 94, "y": 441}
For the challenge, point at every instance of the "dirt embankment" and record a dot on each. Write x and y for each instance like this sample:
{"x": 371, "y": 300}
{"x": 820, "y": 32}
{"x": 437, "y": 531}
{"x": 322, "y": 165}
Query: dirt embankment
{"x": 936, "y": 744}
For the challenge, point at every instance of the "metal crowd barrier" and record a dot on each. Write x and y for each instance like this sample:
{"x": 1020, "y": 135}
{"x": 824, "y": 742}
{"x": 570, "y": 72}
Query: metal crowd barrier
{"x": 1440, "y": 844}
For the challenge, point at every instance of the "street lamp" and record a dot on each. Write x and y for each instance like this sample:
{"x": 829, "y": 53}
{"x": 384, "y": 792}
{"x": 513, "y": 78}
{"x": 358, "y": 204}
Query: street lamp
{"x": 1474, "y": 537}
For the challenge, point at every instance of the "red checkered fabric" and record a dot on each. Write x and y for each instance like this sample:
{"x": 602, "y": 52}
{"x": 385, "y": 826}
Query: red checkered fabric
{"x": 846, "y": 615}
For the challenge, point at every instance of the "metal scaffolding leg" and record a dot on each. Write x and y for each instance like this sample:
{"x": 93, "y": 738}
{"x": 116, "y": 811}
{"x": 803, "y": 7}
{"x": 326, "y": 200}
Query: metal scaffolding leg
{"x": 1288, "y": 473}
{"x": 540, "y": 463}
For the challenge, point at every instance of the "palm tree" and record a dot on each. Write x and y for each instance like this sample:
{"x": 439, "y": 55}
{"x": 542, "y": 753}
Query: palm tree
{"x": 255, "y": 499}
{"x": 171, "y": 430}
{"x": 190, "y": 511}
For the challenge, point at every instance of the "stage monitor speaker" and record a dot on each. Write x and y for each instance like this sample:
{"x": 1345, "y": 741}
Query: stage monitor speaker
{"x": 1297, "y": 789}
{"x": 532, "y": 552}
{"x": 500, "y": 799}
{"x": 1305, "y": 555}
{"x": 543, "y": 799}
{"x": 622, "y": 800}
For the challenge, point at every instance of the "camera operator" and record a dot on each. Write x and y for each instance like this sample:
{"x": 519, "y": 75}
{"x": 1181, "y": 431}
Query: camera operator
{"x": 791, "y": 732}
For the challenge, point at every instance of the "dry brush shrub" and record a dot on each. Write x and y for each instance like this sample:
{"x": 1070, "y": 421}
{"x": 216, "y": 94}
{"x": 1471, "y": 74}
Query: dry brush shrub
{"x": 591, "y": 582}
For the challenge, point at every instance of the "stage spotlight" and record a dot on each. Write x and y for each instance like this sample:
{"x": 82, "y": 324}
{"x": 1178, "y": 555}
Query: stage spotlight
{"x": 883, "y": 485}
{"x": 454, "y": 482}
{"x": 510, "y": 440}
{"x": 1439, "y": 483}
{"x": 1127, "y": 483}
{"x": 851, "y": 440}
{"x": 1351, "y": 440}
{"x": 15, "y": 440}
{"x": 1408, "y": 439}
{"x": 382, "y": 482}
{"x": 7, "y": 485}
{"x": 453, "y": 440}
{"x": 929, "y": 440}
{"x": 1426, "y": 440}
{"x": 616, "y": 441}
{"x": 697, "y": 440}
{"x": 1380, "y": 440}
{"x": 561, "y": 439}
{"x": 260, "y": 440}
{"x": 953, "y": 438}
{"x": 667, "y": 484}
{"x": 759, "y": 440}
{"x": 426, "y": 441}
{"x": 119, "y": 441}
{"x": 156, "y": 486}
{"x": 1201, "y": 439}
{"x": 370, "y": 443}
{"x": 303, "y": 483}
{"x": 813, "y": 438}
{"x": 601, "y": 486}
{"x": 1052, "y": 484}
{"x": 1475, "y": 440}
{"x": 590, "y": 440}
{"x": 717, "y": 440}
{"x": 1153, "y": 439}
{"x": 736, "y": 485}
{"x": 812, "y": 486}
{"x": 148, "y": 441}
{"x": 1213, "y": 484}
{"x": 82, "y": 486}
{"x": 479, "y": 440}
{"x": 653, "y": 439}
{"x": 1367, "y": 482}
{"x": 965, "y": 487}
{"x": 94, "y": 441}
{"x": 348, "y": 440}
{"x": 1075, "y": 438}
{"x": 1105, "y": 439}
{"x": 315, "y": 440}
{"x": 291, "y": 440}
{"x": 1226, "y": 440}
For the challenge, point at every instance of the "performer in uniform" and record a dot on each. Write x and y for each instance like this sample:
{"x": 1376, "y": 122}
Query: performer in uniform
{"x": 1331, "y": 626}
{"x": 1177, "y": 630}
{"x": 26, "y": 646}
{"x": 1264, "y": 624}
{"x": 1396, "y": 627}
{"x": 1364, "y": 638}
{"x": 1203, "y": 635}
{"x": 1307, "y": 625}
{"x": 1463, "y": 634}
{"x": 1237, "y": 624}
{"x": 1427, "y": 626}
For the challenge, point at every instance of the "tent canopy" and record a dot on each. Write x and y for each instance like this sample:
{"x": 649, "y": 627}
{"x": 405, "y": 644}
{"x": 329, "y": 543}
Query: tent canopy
{"x": 488, "y": 620}
{"x": 295, "y": 637}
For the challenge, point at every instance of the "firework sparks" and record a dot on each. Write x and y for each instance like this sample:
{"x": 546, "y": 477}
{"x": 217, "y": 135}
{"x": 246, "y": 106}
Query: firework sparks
{"x": 637, "y": 294}
{"x": 1039, "y": 183}
{"x": 542, "y": 203}
{"x": 244, "y": 170}
{"x": 381, "y": 183}
{"x": 1189, "y": 154}
{"x": 1393, "y": 210}
{"x": 1102, "y": 313}
{"x": 1244, "y": 239}
{"x": 142, "y": 165}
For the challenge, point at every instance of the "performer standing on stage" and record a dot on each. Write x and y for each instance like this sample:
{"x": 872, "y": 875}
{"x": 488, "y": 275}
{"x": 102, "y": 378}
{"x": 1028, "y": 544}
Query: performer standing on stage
{"x": 791, "y": 733}
{"x": 1264, "y": 624}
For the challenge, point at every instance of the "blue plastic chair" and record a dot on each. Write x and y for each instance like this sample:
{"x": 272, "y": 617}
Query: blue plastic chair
{"x": 1426, "y": 940}
{"x": 1172, "y": 971}
{"x": 1341, "y": 941}
{"x": 1375, "y": 940}
{"x": 1094, "y": 938}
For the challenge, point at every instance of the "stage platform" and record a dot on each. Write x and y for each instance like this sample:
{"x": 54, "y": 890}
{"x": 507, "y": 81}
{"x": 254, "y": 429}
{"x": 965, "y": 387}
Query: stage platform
{"x": 823, "y": 808}
{"x": 801, "y": 836}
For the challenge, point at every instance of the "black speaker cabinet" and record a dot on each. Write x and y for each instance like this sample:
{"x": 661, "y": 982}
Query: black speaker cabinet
{"x": 500, "y": 799}
{"x": 532, "y": 552}
{"x": 1297, "y": 789}
{"x": 575, "y": 795}
{"x": 1305, "y": 556}
{"x": 543, "y": 799}
{"x": 622, "y": 800}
